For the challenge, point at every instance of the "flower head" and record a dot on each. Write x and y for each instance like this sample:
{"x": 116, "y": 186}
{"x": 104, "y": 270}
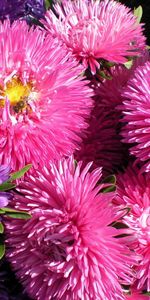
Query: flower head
{"x": 96, "y": 30}
{"x": 102, "y": 143}
{"x": 44, "y": 102}
{"x": 24, "y": 9}
{"x": 133, "y": 190}
{"x": 136, "y": 110}
{"x": 68, "y": 250}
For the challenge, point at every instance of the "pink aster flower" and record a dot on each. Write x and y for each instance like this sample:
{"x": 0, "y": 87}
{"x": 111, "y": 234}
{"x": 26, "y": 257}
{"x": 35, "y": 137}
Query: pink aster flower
{"x": 136, "y": 111}
{"x": 102, "y": 143}
{"x": 133, "y": 190}
{"x": 95, "y": 30}
{"x": 68, "y": 250}
{"x": 43, "y": 99}
{"x": 110, "y": 91}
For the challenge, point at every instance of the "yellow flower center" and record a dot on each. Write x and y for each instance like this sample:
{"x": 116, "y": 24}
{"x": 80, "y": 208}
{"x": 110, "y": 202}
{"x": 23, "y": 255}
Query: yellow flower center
{"x": 17, "y": 93}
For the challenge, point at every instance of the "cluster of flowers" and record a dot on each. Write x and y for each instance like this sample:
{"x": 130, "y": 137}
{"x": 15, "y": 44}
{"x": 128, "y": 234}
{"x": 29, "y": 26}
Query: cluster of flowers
{"x": 74, "y": 103}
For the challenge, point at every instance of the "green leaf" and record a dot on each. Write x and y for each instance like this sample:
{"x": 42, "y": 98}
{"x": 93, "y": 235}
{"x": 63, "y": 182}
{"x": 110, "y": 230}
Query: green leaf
{"x": 7, "y": 186}
{"x": 138, "y": 12}
{"x": 20, "y": 173}
{"x": 110, "y": 179}
{"x": 75, "y": 163}
{"x": 119, "y": 225}
{"x": 128, "y": 64}
{"x": 2, "y": 249}
{"x": 48, "y": 3}
{"x": 104, "y": 76}
{"x": 108, "y": 189}
{"x": 12, "y": 213}
{"x": 1, "y": 227}
{"x": 126, "y": 210}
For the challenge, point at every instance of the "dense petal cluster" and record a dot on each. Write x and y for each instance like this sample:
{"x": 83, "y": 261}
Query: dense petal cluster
{"x": 133, "y": 190}
{"x": 68, "y": 250}
{"x": 43, "y": 99}
{"x": 96, "y": 30}
{"x": 136, "y": 111}
{"x": 96, "y": 146}
{"x": 26, "y": 9}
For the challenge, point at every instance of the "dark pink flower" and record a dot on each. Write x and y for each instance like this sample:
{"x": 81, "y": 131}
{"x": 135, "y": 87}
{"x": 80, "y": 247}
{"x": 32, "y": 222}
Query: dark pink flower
{"x": 68, "y": 250}
{"x": 102, "y": 143}
{"x": 136, "y": 110}
{"x": 133, "y": 191}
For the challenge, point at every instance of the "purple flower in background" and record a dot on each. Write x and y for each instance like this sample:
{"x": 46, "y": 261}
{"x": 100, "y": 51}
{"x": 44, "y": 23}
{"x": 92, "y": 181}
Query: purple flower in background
{"x": 4, "y": 176}
{"x": 24, "y": 9}
{"x": 4, "y": 173}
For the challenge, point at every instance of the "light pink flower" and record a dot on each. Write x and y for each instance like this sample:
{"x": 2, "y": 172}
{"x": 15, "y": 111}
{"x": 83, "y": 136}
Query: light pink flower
{"x": 68, "y": 250}
{"x": 43, "y": 99}
{"x": 133, "y": 189}
{"x": 95, "y": 30}
{"x": 136, "y": 111}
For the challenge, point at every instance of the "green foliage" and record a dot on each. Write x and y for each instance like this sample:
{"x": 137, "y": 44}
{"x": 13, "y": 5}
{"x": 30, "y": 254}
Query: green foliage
{"x": 12, "y": 213}
{"x": 48, "y": 3}
{"x": 138, "y": 12}
{"x": 128, "y": 64}
{"x": 2, "y": 249}
{"x": 109, "y": 184}
{"x": 8, "y": 212}
{"x": 1, "y": 228}
{"x": 20, "y": 173}
{"x": 7, "y": 186}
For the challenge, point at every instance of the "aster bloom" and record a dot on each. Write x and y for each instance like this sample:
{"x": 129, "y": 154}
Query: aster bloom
{"x": 96, "y": 30}
{"x": 43, "y": 99}
{"x": 110, "y": 91}
{"x": 67, "y": 250}
{"x": 102, "y": 143}
{"x": 136, "y": 111}
{"x": 26, "y": 9}
{"x": 133, "y": 190}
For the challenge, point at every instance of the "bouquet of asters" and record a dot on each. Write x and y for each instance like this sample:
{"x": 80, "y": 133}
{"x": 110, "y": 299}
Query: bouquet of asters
{"x": 74, "y": 151}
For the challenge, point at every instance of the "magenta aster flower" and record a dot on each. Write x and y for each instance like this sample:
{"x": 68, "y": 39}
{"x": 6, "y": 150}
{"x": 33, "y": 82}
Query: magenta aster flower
{"x": 102, "y": 143}
{"x": 110, "y": 91}
{"x": 136, "y": 111}
{"x": 43, "y": 99}
{"x": 133, "y": 190}
{"x": 95, "y": 30}
{"x": 67, "y": 250}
